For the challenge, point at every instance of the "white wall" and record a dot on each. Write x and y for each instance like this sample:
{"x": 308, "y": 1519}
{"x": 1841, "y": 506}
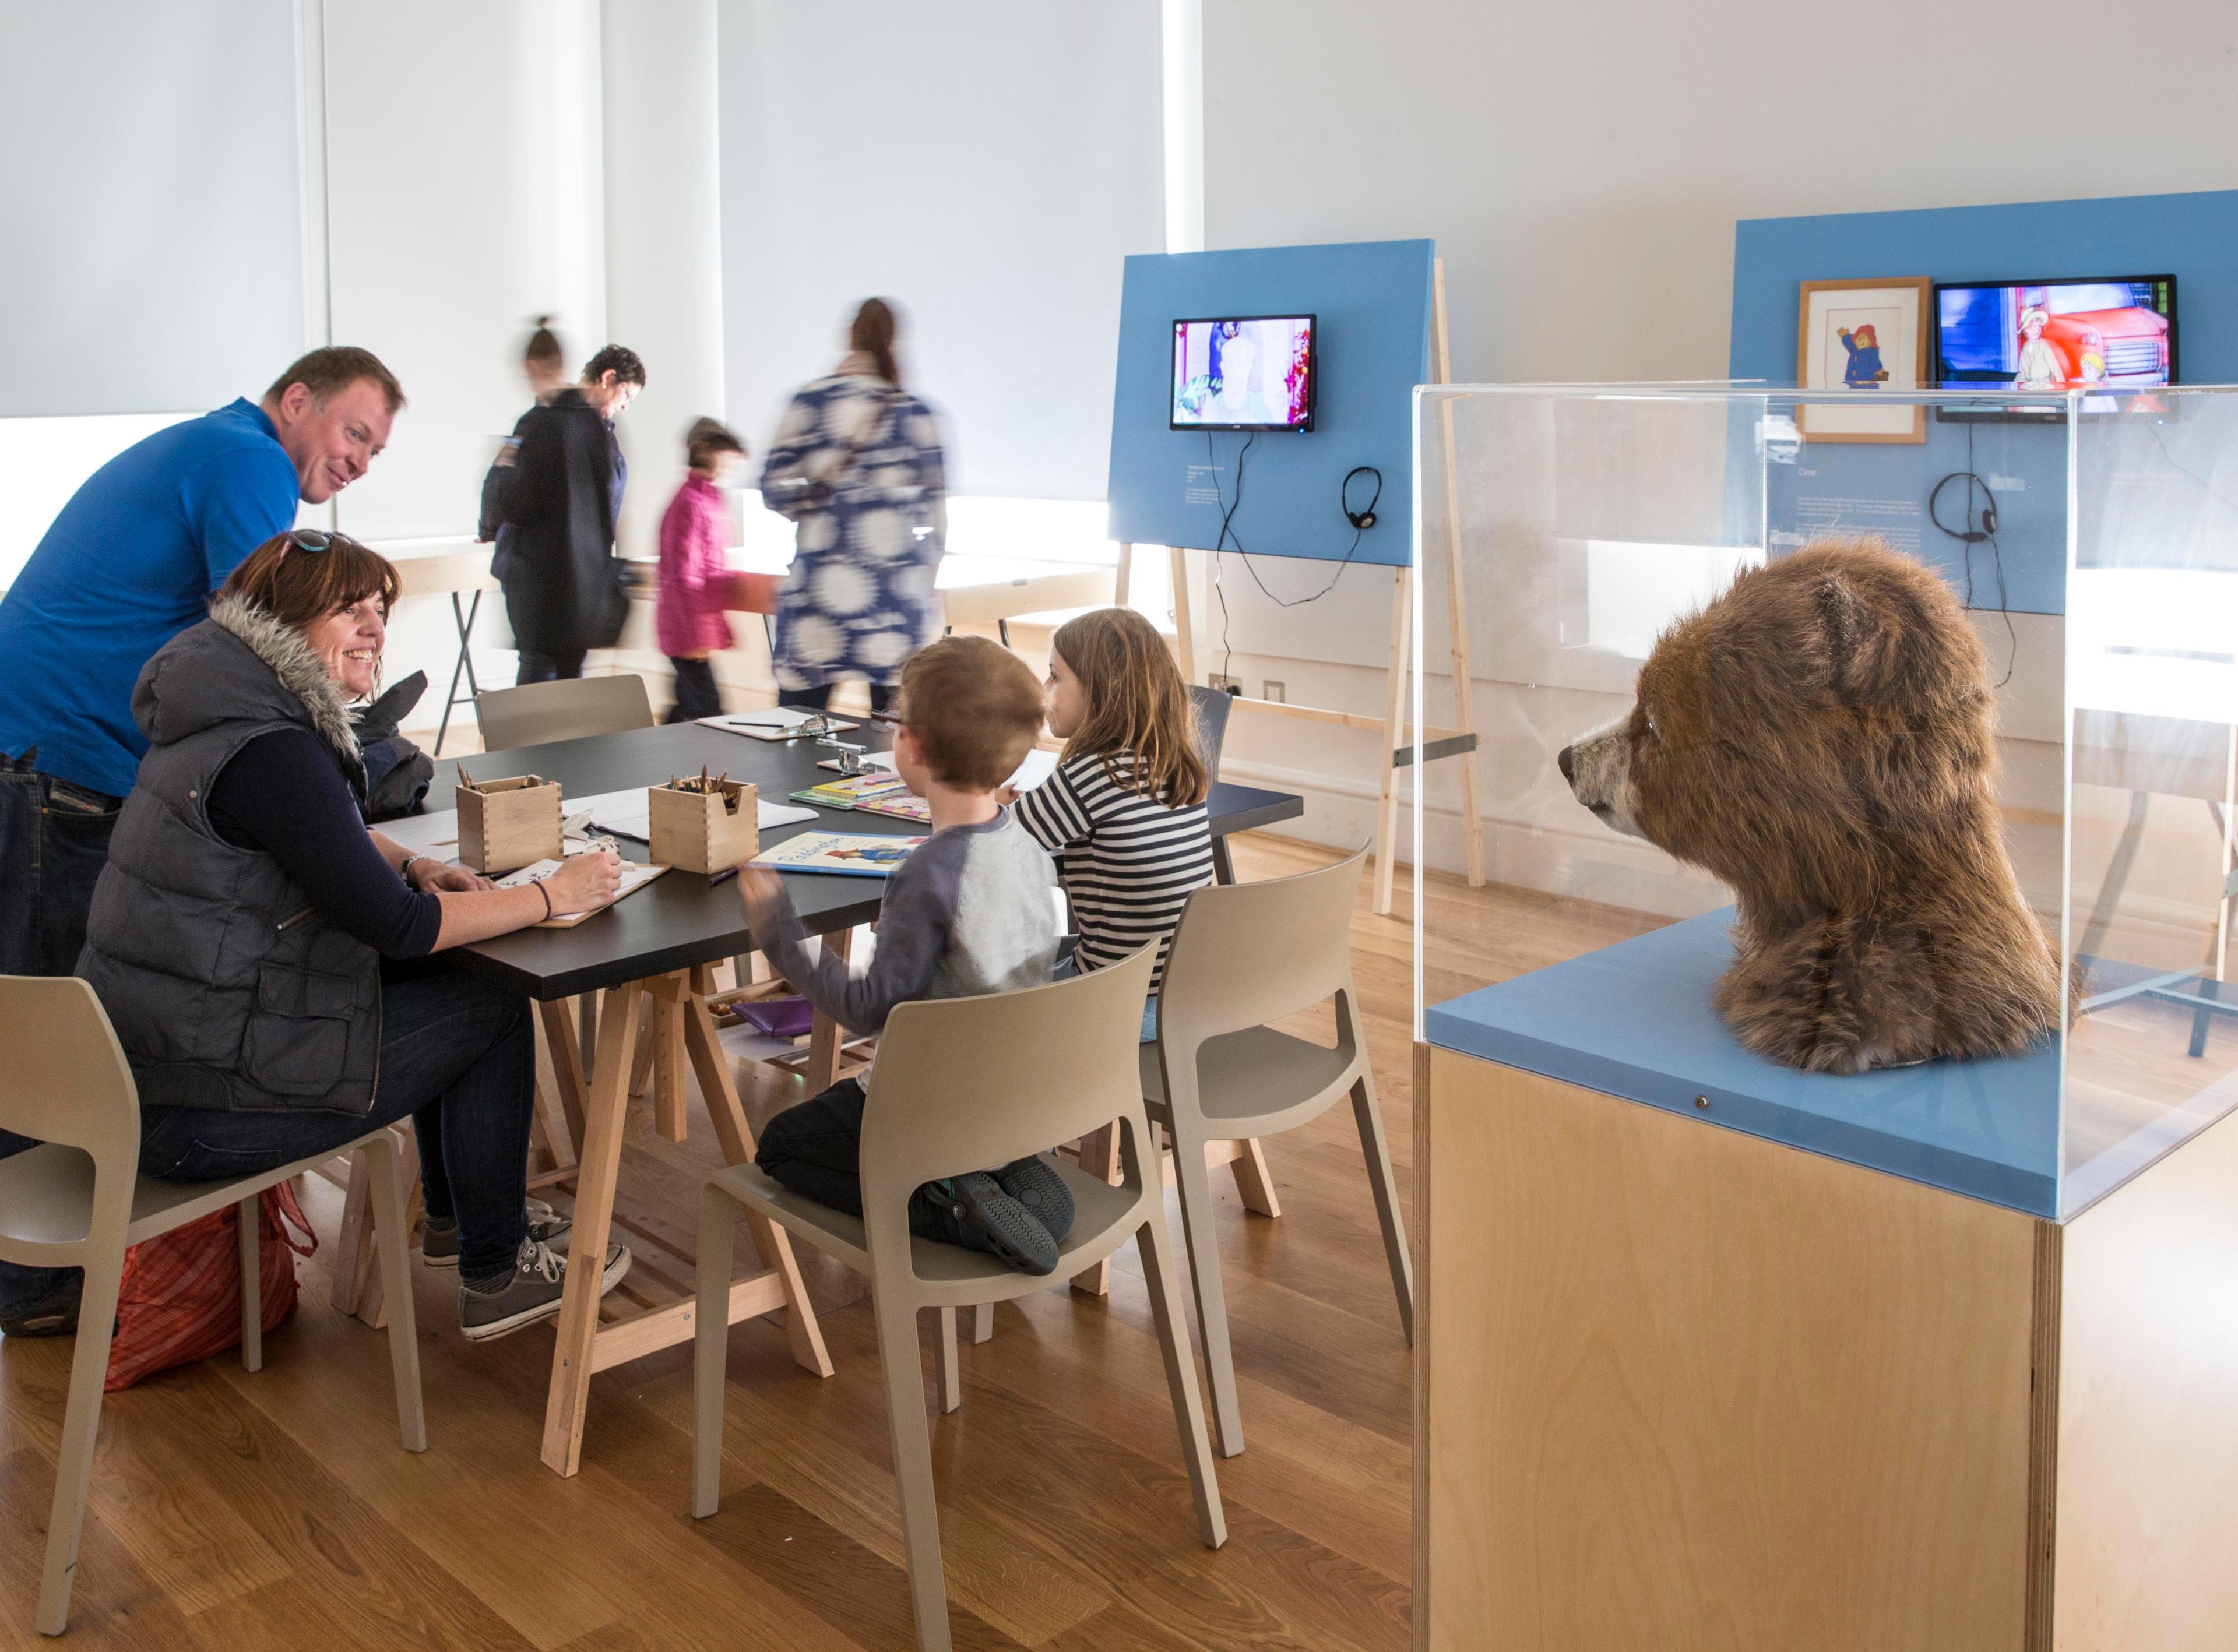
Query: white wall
{"x": 464, "y": 197}
{"x": 1581, "y": 167}
{"x": 150, "y": 193}
{"x": 664, "y": 239}
{"x": 988, "y": 167}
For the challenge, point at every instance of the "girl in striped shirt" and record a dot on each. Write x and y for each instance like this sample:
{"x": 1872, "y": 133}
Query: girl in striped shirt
{"x": 1124, "y": 813}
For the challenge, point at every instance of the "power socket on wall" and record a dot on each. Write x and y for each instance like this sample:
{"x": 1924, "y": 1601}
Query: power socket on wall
{"x": 1221, "y": 682}
{"x": 1275, "y": 691}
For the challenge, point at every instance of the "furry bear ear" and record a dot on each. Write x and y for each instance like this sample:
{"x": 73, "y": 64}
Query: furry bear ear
{"x": 1864, "y": 659}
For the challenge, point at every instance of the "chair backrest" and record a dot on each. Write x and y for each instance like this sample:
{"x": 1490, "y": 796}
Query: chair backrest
{"x": 63, "y": 1077}
{"x": 965, "y": 1084}
{"x": 1246, "y": 953}
{"x": 567, "y": 709}
{"x": 1211, "y": 707}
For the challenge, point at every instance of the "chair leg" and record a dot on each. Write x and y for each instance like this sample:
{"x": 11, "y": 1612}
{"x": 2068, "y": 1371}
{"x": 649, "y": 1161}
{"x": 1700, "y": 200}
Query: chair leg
{"x": 1386, "y": 1189}
{"x": 982, "y": 1322}
{"x": 248, "y": 1215}
{"x": 1211, "y": 1295}
{"x": 1099, "y": 1156}
{"x": 1156, "y": 1245}
{"x": 385, "y": 1171}
{"x": 911, "y": 1440}
{"x": 81, "y": 1428}
{"x": 711, "y": 1348}
{"x": 952, "y": 1380}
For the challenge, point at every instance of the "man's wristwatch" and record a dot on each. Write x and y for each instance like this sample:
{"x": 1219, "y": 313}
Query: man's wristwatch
{"x": 405, "y": 872}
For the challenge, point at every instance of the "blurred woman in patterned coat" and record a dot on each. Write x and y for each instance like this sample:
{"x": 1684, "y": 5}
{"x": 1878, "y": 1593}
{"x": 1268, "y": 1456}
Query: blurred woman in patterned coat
{"x": 857, "y": 465}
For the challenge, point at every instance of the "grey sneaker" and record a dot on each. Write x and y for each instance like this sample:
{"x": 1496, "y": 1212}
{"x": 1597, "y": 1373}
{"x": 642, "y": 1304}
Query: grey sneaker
{"x": 532, "y": 1293}
{"x": 439, "y": 1242}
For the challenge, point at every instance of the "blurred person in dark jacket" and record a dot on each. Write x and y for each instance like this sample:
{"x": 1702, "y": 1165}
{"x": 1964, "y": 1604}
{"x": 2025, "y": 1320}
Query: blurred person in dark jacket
{"x": 544, "y": 364}
{"x": 561, "y": 491}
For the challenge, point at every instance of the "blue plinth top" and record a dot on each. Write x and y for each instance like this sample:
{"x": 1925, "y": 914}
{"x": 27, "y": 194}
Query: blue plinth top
{"x": 1634, "y": 1019}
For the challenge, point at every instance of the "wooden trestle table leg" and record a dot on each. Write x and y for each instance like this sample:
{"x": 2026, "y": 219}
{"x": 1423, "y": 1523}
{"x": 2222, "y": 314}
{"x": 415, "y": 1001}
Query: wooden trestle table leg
{"x": 737, "y": 1137}
{"x": 600, "y": 1164}
{"x": 585, "y": 1346}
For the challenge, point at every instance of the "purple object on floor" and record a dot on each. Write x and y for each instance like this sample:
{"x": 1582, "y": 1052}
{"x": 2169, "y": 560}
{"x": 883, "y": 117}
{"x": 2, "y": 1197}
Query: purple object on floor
{"x": 778, "y": 1017}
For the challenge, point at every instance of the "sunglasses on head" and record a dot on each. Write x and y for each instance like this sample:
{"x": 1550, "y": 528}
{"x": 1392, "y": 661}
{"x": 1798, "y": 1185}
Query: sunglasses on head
{"x": 312, "y": 540}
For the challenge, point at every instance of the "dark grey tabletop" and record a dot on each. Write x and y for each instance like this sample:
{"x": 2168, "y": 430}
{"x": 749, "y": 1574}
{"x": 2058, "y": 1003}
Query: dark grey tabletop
{"x": 678, "y": 920}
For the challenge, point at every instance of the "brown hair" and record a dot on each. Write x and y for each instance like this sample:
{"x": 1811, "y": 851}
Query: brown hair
{"x": 975, "y": 708}
{"x": 543, "y": 347}
{"x": 1137, "y": 705}
{"x": 707, "y": 438}
{"x": 337, "y": 368}
{"x": 873, "y": 332}
{"x": 297, "y": 585}
{"x": 620, "y": 361}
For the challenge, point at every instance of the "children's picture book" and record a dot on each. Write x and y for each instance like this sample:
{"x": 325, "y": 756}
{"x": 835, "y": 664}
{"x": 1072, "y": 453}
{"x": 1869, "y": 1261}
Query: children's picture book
{"x": 902, "y": 805}
{"x": 852, "y": 792}
{"x": 848, "y": 854}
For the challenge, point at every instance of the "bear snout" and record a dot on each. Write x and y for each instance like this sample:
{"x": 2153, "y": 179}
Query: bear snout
{"x": 1599, "y": 767}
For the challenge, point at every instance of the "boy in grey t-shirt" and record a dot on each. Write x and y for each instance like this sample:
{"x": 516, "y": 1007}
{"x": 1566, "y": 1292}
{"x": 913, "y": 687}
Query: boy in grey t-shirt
{"x": 970, "y": 912}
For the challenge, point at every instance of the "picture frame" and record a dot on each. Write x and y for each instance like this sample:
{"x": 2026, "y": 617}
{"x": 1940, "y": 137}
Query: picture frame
{"x": 1893, "y": 315}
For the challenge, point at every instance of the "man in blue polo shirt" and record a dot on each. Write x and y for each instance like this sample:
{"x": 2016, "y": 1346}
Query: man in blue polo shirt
{"x": 130, "y": 563}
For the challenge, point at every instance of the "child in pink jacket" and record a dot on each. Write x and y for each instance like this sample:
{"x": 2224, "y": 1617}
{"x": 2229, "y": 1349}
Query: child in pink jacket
{"x": 695, "y": 575}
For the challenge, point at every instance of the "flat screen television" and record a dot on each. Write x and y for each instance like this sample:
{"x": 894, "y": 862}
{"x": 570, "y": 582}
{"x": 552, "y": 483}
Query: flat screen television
{"x": 2117, "y": 332}
{"x": 1244, "y": 372}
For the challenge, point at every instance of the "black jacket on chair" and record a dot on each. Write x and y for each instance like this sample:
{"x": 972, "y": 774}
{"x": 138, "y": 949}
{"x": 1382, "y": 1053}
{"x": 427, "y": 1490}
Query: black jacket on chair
{"x": 564, "y": 589}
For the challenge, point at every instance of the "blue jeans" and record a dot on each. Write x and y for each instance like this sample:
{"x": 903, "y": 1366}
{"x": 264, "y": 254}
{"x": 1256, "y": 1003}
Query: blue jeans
{"x": 456, "y": 1054}
{"x": 54, "y": 841}
{"x": 1069, "y": 967}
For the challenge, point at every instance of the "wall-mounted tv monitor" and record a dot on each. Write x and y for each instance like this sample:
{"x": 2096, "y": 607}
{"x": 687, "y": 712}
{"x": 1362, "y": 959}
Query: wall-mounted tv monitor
{"x": 2116, "y": 331}
{"x": 1244, "y": 372}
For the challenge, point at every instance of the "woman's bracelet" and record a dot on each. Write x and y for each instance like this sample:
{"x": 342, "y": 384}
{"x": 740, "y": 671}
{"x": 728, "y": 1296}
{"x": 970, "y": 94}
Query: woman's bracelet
{"x": 546, "y": 893}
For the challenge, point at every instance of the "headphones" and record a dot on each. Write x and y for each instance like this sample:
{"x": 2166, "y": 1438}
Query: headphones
{"x": 1364, "y": 518}
{"x": 1970, "y": 534}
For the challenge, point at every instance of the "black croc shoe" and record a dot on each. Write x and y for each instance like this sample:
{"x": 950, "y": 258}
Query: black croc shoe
{"x": 1036, "y": 1184}
{"x": 982, "y": 1217}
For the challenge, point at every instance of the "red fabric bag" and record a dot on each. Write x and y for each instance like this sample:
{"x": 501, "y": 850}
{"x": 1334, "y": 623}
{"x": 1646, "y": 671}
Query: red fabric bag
{"x": 181, "y": 1298}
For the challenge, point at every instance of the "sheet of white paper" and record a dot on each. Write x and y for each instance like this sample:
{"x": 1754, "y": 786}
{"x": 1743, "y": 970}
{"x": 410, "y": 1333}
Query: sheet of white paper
{"x": 436, "y": 835}
{"x": 776, "y": 717}
{"x": 626, "y": 813}
{"x": 1039, "y": 766}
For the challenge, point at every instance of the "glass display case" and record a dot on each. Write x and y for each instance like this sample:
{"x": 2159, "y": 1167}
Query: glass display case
{"x": 1819, "y": 742}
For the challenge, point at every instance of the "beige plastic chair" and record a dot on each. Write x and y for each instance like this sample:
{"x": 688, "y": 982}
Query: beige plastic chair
{"x": 1244, "y": 954}
{"x": 961, "y": 1084}
{"x": 79, "y": 1200}
{"x": 568, "y": 709}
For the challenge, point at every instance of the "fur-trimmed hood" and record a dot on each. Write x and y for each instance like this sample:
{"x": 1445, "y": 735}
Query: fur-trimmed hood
{"x": 242, "y": 665}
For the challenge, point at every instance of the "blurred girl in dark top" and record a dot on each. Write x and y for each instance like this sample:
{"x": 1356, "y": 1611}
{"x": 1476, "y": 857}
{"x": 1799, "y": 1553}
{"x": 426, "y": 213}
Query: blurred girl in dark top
{"x": 560, "y": 488}
{"x": 545, "y": 366}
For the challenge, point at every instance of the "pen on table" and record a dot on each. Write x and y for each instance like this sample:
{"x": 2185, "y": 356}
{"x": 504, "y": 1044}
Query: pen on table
{"x": 723, "y": 877}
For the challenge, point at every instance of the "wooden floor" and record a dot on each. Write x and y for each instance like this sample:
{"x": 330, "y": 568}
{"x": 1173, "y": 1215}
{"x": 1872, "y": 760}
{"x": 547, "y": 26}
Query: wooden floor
{"x": 235, "y": 1512}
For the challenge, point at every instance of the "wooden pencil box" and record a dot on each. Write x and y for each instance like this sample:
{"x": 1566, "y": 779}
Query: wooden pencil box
{"x": 704, "y": 831}
{"x": 506, "y": 824}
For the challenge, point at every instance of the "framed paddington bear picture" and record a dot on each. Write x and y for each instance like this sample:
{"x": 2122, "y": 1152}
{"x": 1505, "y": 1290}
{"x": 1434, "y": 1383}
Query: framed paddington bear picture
{"x": 1863, "y": 335}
